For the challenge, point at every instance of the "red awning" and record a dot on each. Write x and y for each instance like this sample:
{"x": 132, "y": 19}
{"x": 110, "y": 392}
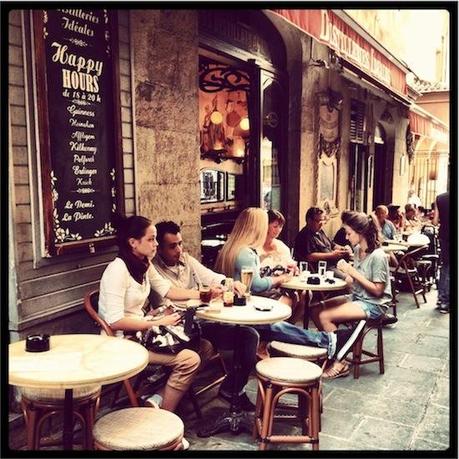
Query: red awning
{"x": 422, "y": 124}
{"x": 328, "y": 28}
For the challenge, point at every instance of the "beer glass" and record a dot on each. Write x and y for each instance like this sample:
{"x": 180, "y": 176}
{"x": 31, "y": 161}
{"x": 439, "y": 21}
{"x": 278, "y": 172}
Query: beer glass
{"x": 246, "y": 279}
{"x": 205, "y": 295}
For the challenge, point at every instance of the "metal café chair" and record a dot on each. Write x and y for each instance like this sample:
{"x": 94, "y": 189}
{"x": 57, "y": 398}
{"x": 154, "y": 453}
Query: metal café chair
{"x": 407, "y": 272}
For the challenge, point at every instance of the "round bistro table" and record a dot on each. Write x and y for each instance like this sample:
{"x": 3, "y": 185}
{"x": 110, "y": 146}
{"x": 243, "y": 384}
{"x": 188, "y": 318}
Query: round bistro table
{"x": 74, "y": 361}
{"x": 296, "y": 283}
{"x": 236, "y": 420}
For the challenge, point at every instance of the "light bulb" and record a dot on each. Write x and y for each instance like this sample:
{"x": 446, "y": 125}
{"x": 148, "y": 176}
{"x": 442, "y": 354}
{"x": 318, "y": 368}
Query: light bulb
{"x": 216, "y": 117}
{"x": 244, "y": 124}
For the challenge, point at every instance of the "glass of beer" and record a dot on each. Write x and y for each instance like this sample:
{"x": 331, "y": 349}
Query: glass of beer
{"x": 205, "y": 295}
{"x": 246, "y": 279}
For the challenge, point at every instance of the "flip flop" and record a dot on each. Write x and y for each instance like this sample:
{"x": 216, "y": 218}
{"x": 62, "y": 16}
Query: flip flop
{"x": 333, "y": 373}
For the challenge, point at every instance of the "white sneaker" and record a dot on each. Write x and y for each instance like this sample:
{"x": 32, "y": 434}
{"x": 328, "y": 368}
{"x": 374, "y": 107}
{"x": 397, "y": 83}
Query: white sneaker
{"x": 154, "y": 401}
{"x": 185, "y": 444}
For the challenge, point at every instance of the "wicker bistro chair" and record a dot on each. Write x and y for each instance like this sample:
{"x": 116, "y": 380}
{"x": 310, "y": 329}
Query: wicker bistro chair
{"x": 39, "y": 405}
{"x": 138, "y": 428}
{"x": 154, "y": 375}
{"x": 278, "y": 376}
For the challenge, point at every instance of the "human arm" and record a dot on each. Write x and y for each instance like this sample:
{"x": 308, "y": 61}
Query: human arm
{"x": 249, "y": 258}
{"x": 113, "y": 308}
{"x": 377, "y": 284}
{"x": 165, "y": 288}
{"x": 133, "y": 324}
{"x": 436, "y": 216}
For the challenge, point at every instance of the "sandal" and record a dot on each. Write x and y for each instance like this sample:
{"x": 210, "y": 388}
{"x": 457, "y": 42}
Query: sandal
{"x": 332, "y": 372}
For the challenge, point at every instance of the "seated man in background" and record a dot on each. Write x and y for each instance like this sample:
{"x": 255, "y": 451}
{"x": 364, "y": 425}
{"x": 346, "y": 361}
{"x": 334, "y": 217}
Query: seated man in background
{"x": 412, "y": 222}
{"x": 184, "y": 271}
{"x": 387, "y": 227}
{"x": 396, "y": 217}
{"x": 313, "y": 245}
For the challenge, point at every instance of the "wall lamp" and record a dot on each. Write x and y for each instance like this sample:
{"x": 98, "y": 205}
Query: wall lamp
{"x": 318, "y": 63}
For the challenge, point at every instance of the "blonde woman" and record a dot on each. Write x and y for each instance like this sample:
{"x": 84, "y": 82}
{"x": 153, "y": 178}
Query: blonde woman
{"x": 240, "y": 250}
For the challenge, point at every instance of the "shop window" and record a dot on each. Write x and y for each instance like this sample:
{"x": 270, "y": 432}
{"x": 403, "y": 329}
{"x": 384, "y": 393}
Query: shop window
{"x": 224, "y": 124}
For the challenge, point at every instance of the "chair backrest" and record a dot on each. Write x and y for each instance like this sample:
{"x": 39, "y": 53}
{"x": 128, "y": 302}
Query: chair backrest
{"x": 91, "y": 306}
{"x": 408, "y": 260}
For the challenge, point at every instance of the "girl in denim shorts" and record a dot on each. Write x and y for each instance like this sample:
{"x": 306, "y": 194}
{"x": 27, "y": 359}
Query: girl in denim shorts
{"x": 368, "y": 278}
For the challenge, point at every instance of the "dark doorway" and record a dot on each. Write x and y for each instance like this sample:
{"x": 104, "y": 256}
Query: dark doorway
{"x": 358, "y": 176}
{"x": 380, "y": 168}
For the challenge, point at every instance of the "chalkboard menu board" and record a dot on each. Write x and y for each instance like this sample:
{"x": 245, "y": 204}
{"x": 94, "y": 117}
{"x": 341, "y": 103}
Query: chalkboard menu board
{"x": 79, "y": 126}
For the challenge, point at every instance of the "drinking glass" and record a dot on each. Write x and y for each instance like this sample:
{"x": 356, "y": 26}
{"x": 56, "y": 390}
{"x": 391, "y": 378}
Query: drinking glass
{"x": 205, "y": 295}
{"x": 303, "y": 269}
{"x": 322, "y": 268}
{"x": 247, "y": 278}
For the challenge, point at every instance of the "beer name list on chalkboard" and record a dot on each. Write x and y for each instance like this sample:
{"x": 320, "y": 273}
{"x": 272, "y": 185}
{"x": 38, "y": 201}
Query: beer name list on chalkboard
{"x": 81, "y": 123}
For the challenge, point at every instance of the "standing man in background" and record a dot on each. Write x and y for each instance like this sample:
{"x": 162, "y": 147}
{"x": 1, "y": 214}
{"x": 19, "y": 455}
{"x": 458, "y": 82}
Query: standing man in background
{"x": 441, "y": 215}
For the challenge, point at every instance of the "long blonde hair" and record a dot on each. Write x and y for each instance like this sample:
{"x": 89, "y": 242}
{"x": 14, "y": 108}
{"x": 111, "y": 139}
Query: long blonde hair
{"x": 249, "y": 230}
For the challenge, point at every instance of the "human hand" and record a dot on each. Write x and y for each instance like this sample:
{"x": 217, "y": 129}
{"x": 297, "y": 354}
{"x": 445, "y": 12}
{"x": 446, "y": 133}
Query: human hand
{"x": 349, "y": 250}
{"x": 349, "y": 280}
{"x": 343, "y": 266}
{"x": 170, "y": 319}
{"x": 239, "y": 288}
{"x": 216, "y": 291}
{"x": 293, "y": 268}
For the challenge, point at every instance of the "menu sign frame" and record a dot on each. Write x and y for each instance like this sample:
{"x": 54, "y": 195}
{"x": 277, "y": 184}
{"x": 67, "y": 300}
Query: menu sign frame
{"x": 79, "y": 127}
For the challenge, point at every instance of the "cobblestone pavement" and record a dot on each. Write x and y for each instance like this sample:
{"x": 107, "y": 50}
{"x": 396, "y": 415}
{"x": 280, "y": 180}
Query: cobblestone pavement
{"x": 406, "y": 408}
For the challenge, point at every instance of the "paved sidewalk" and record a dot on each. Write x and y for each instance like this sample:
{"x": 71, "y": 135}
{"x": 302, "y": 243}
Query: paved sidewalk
{"x": 407, "y": 408}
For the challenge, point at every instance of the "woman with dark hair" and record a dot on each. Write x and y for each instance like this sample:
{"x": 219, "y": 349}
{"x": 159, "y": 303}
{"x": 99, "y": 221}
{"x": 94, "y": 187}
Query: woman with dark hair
{"x": 124, "y": 288}
{"x": 275, "y": 259}
{"x": 369, "y": 280}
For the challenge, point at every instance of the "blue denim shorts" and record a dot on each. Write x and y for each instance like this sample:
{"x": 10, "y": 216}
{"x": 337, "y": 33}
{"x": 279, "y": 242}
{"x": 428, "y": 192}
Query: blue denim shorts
{"x": 373, "y": 311}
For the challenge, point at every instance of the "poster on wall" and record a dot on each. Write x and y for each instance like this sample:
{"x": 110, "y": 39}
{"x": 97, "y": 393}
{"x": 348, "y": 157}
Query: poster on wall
{"x": 79, "y": 129}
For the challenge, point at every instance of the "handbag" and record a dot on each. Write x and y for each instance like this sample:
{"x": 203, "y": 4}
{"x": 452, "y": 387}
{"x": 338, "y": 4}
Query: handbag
{"x": 171, "y": 339}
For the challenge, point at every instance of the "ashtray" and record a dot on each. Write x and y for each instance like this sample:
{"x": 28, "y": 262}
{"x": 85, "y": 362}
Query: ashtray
{"x": 263, "y": 307}
{"x": 313, "y": 280}
{"x": 37, "y": 343}
{"x": 239, "y": 301}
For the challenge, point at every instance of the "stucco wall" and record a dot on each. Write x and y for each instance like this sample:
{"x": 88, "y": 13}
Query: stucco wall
{"x": 165, "y": 75}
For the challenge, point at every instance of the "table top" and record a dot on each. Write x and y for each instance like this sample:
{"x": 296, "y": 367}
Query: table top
{"x": 245, "y": 315}
{"x": 76, "y": 360}
{"x": 295, "y": 283}
{"x": 394, "y": 248}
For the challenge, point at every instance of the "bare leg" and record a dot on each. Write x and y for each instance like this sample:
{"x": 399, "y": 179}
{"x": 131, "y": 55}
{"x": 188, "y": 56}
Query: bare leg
{"x": 342, "y": 313}
{"x": 323, "y": 305}
{"x": 171, "y": 398}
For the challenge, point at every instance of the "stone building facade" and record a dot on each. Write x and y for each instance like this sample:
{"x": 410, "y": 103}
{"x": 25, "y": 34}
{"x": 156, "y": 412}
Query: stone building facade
{"x": 289, "y": 161}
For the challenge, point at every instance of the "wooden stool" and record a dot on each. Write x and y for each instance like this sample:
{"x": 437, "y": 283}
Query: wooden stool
{"x": 38, "y": 405}
{"x": 317, "y": 355}
{"x": 138, "y": 428}
{"x": 357, "y": 348}
{"x": 278, "y": 376}
{"x": 309, "y": 353}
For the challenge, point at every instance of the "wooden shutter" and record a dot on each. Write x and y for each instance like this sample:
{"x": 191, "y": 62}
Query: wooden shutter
{"x": 357, "y": 121}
